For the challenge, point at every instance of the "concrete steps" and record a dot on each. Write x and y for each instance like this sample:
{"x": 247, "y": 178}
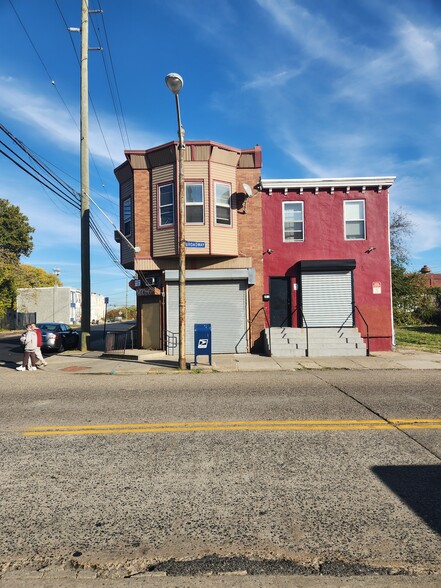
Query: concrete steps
{"x": 323, "y": 342}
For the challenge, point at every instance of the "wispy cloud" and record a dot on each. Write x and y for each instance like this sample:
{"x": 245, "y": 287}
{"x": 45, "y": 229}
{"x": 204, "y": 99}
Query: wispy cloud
{"x": 44, "y": 115}
{"x": 422, "y": 45}
{"x": 272, "y": 79}
{"x": 311, "y": 32}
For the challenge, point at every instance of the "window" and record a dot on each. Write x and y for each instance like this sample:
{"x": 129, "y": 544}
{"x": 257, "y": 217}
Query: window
{"x": 194, "y": 202}
{"x": 293, "y": 221}
{"x": 223, "y": 199}
{"x": 127, "y": 216}
{"x": 355, "y": 223}
{"x": 166, "y": 205}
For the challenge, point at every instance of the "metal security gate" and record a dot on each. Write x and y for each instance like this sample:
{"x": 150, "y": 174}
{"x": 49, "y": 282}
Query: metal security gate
{"x": 327, "y": 298}
{"x": 223, "y": 304}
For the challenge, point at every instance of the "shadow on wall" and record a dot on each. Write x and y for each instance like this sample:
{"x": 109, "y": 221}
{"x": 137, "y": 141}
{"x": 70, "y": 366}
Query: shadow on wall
{"x": 419, "y": 487}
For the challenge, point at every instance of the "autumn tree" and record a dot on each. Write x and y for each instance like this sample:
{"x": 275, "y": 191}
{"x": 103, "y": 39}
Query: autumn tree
{"x": 29, "y": 276}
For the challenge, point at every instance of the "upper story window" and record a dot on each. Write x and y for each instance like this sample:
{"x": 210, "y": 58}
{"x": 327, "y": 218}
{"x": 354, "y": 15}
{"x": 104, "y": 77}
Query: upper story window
{"x": 166, "y": 205}
{"x": 222, "y": 194}
{"x": 355, "y": 219}
{"x": 293, "y": 221}
{"x": 194, "y": 202}
{"x": 127, "y": 216}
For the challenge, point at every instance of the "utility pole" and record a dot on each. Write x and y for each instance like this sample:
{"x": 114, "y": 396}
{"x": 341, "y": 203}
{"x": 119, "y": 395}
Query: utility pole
{"x": 84, "y": 173}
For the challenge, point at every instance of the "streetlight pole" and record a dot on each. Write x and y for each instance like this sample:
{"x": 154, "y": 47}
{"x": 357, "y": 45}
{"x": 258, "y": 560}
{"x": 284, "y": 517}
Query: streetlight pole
{"x": 56, "y": 271}
{"x": 175, "y": 82}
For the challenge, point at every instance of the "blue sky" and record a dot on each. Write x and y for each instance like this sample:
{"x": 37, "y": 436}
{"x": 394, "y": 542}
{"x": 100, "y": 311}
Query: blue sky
{"x": 328, "y": 88}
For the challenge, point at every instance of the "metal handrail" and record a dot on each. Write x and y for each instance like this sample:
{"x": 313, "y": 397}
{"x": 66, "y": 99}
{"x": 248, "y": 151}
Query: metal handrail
{"x": 250, "y": 325}
{"x": 299, "y": 307}
{"x": 368, "y": 351}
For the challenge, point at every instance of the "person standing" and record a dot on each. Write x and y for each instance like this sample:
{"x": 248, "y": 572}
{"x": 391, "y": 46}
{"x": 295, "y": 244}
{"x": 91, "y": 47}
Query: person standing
{"x": 38, "y": 353}
{"x": 29, "y": 340}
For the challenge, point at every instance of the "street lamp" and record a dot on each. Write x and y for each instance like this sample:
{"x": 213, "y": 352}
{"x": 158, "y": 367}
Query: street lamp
{"x": 175, "y": 82}
{"x": 56, "y": 271}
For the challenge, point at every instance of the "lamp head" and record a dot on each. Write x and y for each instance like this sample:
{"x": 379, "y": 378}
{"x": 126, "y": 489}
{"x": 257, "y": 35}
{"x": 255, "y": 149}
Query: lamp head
{"x": 174, "y": 82}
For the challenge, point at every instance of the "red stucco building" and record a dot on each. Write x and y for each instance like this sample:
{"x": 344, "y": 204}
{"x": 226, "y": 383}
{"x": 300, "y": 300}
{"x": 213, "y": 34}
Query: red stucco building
{"x": 326, "y": 255}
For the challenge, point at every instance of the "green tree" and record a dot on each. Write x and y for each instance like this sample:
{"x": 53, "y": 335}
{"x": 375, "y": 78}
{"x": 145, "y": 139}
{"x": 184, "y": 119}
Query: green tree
{"x": 15, "y": 240}
{"x": 29, "y": 276}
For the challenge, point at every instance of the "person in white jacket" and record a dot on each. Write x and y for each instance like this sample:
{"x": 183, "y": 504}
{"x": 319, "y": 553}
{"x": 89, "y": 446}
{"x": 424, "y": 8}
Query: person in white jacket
{"x": 29, "y": 340}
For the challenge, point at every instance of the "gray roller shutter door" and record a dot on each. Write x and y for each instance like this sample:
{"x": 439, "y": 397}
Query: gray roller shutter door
{"x": 327, "y": 299}
{"x": 221, "y": 303}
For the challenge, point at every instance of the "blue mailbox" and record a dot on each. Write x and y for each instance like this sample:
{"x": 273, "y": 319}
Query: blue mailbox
{"x": 202, "y": 341}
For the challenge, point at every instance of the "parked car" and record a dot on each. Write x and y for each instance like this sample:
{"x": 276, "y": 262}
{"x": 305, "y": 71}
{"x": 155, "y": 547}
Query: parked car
{"x": 58, "y": 336}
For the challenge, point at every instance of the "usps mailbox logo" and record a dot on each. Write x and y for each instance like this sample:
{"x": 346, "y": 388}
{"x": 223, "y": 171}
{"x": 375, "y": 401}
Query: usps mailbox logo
{"x": 202, "y": 343}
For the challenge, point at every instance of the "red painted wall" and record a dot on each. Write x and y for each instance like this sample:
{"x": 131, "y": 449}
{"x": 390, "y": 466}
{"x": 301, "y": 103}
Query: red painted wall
{"x": 324, "y": 239}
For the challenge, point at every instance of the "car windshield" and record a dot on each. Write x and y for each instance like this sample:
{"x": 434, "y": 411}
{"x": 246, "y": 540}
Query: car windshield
{"x": 47, "y": 326}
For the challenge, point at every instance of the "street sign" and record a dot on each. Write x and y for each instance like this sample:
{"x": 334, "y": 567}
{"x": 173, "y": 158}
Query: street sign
{"x": 195, "y": 244}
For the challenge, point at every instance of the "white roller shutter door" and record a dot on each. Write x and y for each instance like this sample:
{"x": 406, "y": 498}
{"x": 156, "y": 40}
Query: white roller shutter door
{"x": 223, "y": 304}
{"x": 327, "y": 299}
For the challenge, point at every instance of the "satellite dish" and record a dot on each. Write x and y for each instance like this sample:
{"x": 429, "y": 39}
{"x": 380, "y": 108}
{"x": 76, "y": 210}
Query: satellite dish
{"x": 248, "y": 190}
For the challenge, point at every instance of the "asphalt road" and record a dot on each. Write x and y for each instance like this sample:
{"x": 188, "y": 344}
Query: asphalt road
{"x": 225, "y": 471}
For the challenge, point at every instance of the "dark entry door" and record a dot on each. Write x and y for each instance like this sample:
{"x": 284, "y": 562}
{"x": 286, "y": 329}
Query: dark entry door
{"x": 280, "y": 302}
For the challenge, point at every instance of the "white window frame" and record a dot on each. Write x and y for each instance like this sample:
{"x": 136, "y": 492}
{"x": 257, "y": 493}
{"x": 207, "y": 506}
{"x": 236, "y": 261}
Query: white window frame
{"x": 285, "y": 204}
{"x": 195, "y": 204}
{"x": 359, "y": 220}
{"x": 216, "y": 205}
{"x": 127, "y": 218}
{"x": 162, "y": 206}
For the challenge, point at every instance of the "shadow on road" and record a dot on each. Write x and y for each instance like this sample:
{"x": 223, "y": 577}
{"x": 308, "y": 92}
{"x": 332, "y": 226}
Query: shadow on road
{"x": 419, "y": 487}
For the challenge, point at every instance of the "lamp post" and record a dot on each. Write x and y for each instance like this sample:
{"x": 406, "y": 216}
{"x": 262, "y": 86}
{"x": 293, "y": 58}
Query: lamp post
{"x": 56, "y": 271}
{"x": 174, "y": 83}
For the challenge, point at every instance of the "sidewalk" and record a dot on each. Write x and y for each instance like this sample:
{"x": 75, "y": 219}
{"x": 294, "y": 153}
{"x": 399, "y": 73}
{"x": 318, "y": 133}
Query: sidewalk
{"x": 157, "y": 362}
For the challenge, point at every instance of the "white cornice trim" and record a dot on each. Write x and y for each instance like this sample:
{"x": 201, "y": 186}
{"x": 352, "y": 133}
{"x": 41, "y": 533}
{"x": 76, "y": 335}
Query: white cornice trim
{"x": 374, "y": 181}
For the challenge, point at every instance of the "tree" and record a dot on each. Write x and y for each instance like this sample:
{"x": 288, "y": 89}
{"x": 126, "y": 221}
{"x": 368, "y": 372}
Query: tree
{"x": 401, "y": 229}
{"x": 408, "y": 289}
{"x": 29, "y": 276}
{"x": 15, "y": 231}
{"x": 15, "y": 240}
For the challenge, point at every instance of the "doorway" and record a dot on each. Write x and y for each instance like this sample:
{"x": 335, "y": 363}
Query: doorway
{"x": 150, "y": 321}
{"x": 280, "y": 302}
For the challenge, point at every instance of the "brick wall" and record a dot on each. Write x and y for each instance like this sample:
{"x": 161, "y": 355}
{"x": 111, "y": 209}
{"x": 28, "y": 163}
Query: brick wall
{"x": 250, "y": 245}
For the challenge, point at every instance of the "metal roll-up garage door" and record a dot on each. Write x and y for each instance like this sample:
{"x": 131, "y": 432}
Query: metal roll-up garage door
{"x": 327, "y": 299}
{"x": 223, "y": 304}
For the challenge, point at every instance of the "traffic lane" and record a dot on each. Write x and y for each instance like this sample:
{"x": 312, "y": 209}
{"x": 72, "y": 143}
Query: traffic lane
{"x": 311, "y": 496}
{"x": 55, "y": 398}
{"x": 396, "y": 395}
{"x": 11, "y": 352}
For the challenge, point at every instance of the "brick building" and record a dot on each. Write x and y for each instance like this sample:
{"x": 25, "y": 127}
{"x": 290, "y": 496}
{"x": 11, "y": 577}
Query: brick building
{"x": 223, "y": 233}
{"x": 301, "y": 254}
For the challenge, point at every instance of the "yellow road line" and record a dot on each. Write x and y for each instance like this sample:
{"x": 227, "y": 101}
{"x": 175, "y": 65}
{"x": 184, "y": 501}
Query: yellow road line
{"x": 288, "y": 425}
{"x": 201, "y": 428}
{"x": 208, "y": 423}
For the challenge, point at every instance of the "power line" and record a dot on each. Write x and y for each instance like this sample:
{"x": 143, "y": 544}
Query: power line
{"x": 62, "y": 190}
{"x": 114, "y": 78}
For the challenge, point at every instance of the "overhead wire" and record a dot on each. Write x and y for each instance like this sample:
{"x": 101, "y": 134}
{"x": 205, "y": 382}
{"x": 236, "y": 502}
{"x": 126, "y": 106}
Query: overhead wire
{"x": 59, "y": 187}
{"x": 115, "y": 81}
{"x": 66, "y": 192}
{"x": 90, "y": 98}
{"x": 53, "y": 83}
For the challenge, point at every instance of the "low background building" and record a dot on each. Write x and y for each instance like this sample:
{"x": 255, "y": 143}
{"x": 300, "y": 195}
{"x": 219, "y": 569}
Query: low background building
{"x": 58, "y": 304}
